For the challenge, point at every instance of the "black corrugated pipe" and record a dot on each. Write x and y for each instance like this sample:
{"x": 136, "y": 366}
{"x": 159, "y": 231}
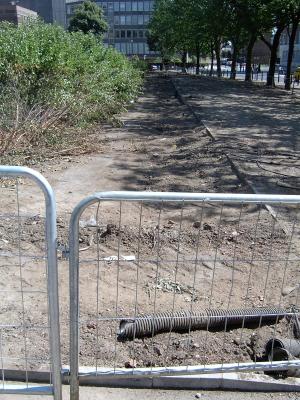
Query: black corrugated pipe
{"x": 283, "y": 350}
{"x": 184, "y": 321}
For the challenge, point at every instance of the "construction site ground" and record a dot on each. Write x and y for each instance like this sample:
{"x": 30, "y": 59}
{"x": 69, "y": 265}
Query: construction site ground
{"x": 176, "y": 137}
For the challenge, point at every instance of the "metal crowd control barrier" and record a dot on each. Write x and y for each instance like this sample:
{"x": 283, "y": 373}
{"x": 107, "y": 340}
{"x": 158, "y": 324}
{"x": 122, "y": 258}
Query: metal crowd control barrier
{"x": 29, "y": 312}
{"x": 143, "y": 264}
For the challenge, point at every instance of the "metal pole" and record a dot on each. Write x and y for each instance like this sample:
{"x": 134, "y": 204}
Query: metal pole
{"x": 74, "y": 302}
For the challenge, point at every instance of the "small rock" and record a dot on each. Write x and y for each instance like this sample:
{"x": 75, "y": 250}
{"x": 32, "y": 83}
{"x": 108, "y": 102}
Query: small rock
{"x": 261, "y": 298}
{"x": 130, "y": 364}
{"x": 237, "y": 341}
{"x": 155, "y": 155}
{"x": 91, "y": 325}
{"x": 288, "y": 290}
{"x": 197, "y": 224}
{"x": 196, "y": 346}
{"x": 171, "y": 222}
{"x": 198, "y": 395}
{"x": 233, "y": 236}
{"x": 207, "y": 227}
{"x": 110, "y": 228}
{"x": 157, "y": 350}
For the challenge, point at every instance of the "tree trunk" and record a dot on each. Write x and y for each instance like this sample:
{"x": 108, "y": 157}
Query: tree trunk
{"x": 248, "y": 73}
{"x": 233, "y": 65}
{"x": 212, "y": 61}
{"x": 273, "y": 58}
{"x": 291, "y": 53}
{"x": 183, "y": 60}
{"x": 198, "y": 59}
{"x": 218, "y": 58}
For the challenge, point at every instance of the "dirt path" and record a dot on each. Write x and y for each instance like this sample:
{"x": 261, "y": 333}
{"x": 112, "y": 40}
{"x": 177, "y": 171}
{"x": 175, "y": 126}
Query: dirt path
{"x": 159, "y": 148}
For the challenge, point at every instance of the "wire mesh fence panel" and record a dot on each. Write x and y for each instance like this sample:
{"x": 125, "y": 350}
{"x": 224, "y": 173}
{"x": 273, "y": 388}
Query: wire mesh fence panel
{"x": 183, "y": 283}
{"x": 29, "y": 325}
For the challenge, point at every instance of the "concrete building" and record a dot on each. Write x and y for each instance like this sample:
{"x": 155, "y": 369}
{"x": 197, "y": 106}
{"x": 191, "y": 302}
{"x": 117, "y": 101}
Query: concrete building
{"x": 284, "y": 49}
{"x": 49, "y": 10}
{"x": 13, "y": 13}
{"x": 127, "y": 22}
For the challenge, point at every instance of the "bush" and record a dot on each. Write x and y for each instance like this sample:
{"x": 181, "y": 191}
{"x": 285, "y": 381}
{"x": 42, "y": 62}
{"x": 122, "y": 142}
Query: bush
{"x": 49, "y": 76}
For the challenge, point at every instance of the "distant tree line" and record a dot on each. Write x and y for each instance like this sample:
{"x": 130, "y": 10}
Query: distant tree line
{"x": 201, "y": 27}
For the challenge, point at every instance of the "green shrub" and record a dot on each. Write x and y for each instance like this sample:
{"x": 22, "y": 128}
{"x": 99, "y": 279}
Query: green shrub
{"x": 71, "y": 77}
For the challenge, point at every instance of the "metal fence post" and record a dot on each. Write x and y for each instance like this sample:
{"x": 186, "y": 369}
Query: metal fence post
{"x": 52, "y": 280}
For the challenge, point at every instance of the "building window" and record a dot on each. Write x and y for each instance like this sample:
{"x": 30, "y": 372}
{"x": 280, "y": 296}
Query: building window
{"x": 134, "y": 6}
{"x": 117, "y": 20}
{"x": 116, "y": 6}
{"x": 135, "y": 48}
{"x": 146, "y": 5}
{"x": 140, "y": 20}
{"x": 146, "y": 19}
{"x": 134, "y": 19}
{"x": 140, "y": 6}
{"x": 104, "y": 6}
{"x": 129, "y": 34}
{"x": 128, "y": 20}
{"x": 141, "y": 34}
{"x": 140, "y": 48}
{"x": 135, "y": 34}
{"x": 123, "y": 48}
{"x": 123, "y": 34}
{"x": 122, "y": 6}
{"x": 117, "y": 34}
{"x": 122, "y": 20}
{"x": 128, "y": 6}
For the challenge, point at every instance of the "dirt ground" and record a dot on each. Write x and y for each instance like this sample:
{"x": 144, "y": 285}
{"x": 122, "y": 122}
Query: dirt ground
{"x": 187, "y": 256}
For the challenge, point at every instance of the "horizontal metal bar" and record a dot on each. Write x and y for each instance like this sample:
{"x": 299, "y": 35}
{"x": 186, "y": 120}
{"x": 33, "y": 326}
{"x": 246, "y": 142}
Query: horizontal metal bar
{"x": 26, "y": 389}
{"x": 197, "y": 369}
{"x": 191, "y": 197}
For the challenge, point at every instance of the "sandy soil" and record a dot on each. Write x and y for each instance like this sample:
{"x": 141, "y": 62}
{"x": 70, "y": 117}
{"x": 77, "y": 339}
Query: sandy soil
{"x": 241, "y": 251}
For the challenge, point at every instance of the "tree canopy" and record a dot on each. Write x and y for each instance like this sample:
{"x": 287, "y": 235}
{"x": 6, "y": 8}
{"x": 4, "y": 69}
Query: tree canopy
{"x": 204, "y": 26}
{"x": 88, "y": 18}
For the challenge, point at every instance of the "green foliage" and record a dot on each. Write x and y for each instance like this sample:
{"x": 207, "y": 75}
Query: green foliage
{"x": 88, "y": 18}
{"x": 50, "y": 68}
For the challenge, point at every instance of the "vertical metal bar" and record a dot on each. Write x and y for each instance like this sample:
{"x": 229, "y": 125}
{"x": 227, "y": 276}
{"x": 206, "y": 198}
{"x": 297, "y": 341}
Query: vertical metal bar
{"x": 51, "y": 238}
{"x": 97, "y": 284}
{"x": 21, "y": 282}
{"x": 118, "y": 277}
{"x": 74, "y": 303}
{"x": 1, "y": 358}
{"x": 156, "y": 278}
{"x": 138, "y": 267}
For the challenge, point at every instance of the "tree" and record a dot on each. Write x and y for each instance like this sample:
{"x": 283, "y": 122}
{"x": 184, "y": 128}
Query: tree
{"x": 295, "y": 20}
{"x": 280, "y": 13}
{"x": 253, "y": 17}
{"x": 88, "y": 18}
